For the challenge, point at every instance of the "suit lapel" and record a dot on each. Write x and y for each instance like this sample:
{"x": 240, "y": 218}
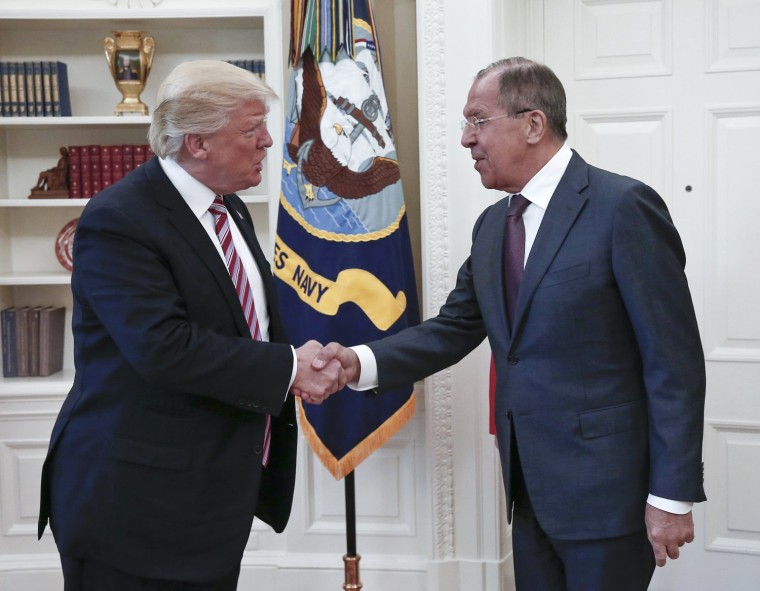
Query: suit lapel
{"x": 183, "y": 219}
{"x": 245, "y": 225}
{"x": 564, "y": 207}
{"x": 496, "y": 253}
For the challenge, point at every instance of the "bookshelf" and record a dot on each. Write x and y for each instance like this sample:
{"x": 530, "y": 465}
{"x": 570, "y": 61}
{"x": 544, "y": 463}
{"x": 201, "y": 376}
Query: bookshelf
{"x": 30, "y": 273}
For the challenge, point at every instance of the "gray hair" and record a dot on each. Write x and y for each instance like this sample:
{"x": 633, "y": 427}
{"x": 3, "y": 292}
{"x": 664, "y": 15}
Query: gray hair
{"x": 199, "y": 97}
{"x": 525, "y": 84}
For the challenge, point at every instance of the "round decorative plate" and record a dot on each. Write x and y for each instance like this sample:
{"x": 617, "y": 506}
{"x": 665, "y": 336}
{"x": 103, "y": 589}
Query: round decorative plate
{"x": 64, "y": 245}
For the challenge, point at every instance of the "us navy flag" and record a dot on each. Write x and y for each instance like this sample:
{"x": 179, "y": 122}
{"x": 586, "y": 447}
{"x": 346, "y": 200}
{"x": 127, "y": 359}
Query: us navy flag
{"x": 342, "y": 261}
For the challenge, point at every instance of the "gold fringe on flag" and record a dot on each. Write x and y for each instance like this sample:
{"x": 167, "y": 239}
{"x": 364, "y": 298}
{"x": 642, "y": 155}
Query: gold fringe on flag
{"x": 345, "y": 465}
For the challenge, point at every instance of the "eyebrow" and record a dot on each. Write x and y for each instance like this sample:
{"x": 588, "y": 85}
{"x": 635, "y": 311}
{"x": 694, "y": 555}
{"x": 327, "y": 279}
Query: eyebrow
{"x": 256, "y": 121}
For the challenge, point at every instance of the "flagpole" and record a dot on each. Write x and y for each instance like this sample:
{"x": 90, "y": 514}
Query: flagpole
{"x": 351, "y": 559}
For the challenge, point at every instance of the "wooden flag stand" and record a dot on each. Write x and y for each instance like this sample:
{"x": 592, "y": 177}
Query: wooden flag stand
{"x": 351, "y": 559}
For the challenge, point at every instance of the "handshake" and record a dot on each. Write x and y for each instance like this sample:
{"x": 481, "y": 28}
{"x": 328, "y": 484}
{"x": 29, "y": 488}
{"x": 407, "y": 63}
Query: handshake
{"x": 323, "y": 371}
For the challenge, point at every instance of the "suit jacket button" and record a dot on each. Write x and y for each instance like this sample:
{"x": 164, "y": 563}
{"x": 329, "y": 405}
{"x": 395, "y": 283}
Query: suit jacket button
{"x": 258, "y": 450}
{"x": 513, "y": 359}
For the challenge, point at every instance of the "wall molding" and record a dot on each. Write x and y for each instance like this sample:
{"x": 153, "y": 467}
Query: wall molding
{"x": 431, "y": 31}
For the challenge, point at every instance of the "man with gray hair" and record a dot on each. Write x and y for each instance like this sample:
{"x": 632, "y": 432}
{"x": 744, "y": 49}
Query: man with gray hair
{"x": 576, "y": 277}
{"x": 179, "y": 426}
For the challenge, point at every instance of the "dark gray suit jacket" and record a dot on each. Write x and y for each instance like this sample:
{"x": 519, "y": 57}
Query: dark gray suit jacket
{"x": 602, "y": 381}
{"x": 155, "y": 463}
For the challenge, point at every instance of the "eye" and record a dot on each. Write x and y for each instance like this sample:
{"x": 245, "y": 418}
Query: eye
{"x": 260, "y": 124}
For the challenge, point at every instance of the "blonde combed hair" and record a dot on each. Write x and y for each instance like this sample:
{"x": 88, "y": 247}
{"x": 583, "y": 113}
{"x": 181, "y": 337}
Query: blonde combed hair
{"x": 199, "y": 97}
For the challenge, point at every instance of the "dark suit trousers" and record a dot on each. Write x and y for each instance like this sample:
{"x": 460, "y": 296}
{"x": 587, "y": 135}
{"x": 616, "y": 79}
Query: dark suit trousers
{"x": 89, "y": 575}
{"x": 543, "y": 563}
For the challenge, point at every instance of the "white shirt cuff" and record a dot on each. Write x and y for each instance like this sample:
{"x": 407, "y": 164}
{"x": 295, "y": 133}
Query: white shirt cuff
{"x": 294, "y": 372}
{"x": 677, "y": 507}
{"x": 368, "y": 376}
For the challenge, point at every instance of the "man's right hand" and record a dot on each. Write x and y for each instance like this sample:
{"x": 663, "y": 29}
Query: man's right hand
{"x": 348, "y": 359}
{"x": 314, "y": 384}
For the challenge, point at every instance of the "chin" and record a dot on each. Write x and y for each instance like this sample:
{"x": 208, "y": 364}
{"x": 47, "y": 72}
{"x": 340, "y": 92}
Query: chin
{"x": 488, "y": 183}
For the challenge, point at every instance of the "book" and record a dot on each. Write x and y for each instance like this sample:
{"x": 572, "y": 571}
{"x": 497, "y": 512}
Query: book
{"x": 129, "y": 158}
{"x": 33, "y": 340}
{"x": 52, "y": 327}
{"x": 106, "y": 166}
{"x": 21, "y": 88}
{"x": 29, "y": 76}
{"x": 59, "y": 84}
{"x": 22, "y": 341}
{"x": 55, "y": 101}
{"x": 96, "y": 172}
{"x": 4, "y": 89}
{"x": 47, "y": 91}
{"x": 117, "y": 162}
{"x": 139, "y": 154}
{"x": 86, "y": 171}
{"x": 39, "y": 97}
{"x": 75, "y": 172}
{"x": 13, "y": 92}
{"x": 8, "y": 327}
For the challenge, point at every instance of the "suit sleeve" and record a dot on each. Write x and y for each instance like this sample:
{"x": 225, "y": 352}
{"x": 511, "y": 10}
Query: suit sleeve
{"x": 124, "y": 280}
{"x": 648, "y": 262}
{"x": 436, "y": 343}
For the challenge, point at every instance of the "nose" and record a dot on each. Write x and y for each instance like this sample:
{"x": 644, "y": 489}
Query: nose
{"x": 266, "y": 140}
{"x": 468, "y": 136}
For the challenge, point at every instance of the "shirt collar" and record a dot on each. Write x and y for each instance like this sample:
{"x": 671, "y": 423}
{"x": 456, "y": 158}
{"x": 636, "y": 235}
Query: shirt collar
{"x": 197, "y": 195}
{"x": 541, "y": 187}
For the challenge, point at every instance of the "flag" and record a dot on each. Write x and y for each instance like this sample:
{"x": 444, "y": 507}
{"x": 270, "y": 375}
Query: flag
{"x": 342, "y": 261}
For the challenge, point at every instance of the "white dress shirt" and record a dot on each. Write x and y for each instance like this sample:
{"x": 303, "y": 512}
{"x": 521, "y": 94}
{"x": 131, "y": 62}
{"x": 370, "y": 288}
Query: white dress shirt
{"x": 199, "y": 198}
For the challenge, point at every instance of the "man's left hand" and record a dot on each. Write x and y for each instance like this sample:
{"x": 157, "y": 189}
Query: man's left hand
{"x": 667, "y": 532}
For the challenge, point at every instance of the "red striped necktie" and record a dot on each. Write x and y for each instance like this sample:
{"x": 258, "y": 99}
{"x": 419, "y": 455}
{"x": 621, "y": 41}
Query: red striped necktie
{"x": 242, "y": 286}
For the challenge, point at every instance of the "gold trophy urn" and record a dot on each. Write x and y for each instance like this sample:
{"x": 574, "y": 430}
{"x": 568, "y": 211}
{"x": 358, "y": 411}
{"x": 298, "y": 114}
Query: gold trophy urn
{"x": 130, "y": 56}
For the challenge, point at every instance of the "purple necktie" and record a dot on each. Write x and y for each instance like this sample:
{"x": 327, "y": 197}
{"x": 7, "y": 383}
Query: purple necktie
{"x": 514, "y": 257}
{"x": 514, "y": 252}
{"x": 242, "y": 287}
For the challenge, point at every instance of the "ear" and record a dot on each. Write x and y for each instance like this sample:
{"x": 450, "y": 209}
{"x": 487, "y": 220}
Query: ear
{"x": 538, "y": 126}
{"x": 196, "y": 146}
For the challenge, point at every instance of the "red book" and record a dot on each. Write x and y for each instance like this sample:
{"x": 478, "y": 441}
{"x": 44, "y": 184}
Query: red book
{"x": 96, "y": 171}
{"x": 149, "y": 153}
{"x": 117, "y": 162}
{"x": 139, "y": 154}
{"x": 75, "y": 171}
{"x": 129, "y": 158}
{"x": 86, "y": 172}
{"x": 106, "y": 166}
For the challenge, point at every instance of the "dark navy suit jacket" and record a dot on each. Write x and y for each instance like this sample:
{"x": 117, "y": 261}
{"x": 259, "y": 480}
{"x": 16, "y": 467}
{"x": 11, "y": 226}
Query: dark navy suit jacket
{"x": 602, "y": 380}
{"x": 155, "y": 461}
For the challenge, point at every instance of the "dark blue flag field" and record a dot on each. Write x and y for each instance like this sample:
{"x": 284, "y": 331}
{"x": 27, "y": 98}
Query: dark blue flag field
{"x": 342, "y": 260}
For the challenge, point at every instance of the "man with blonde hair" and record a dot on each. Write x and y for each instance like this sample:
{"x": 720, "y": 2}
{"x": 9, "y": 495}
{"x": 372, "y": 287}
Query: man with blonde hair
{"x": 179, "y": 426}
